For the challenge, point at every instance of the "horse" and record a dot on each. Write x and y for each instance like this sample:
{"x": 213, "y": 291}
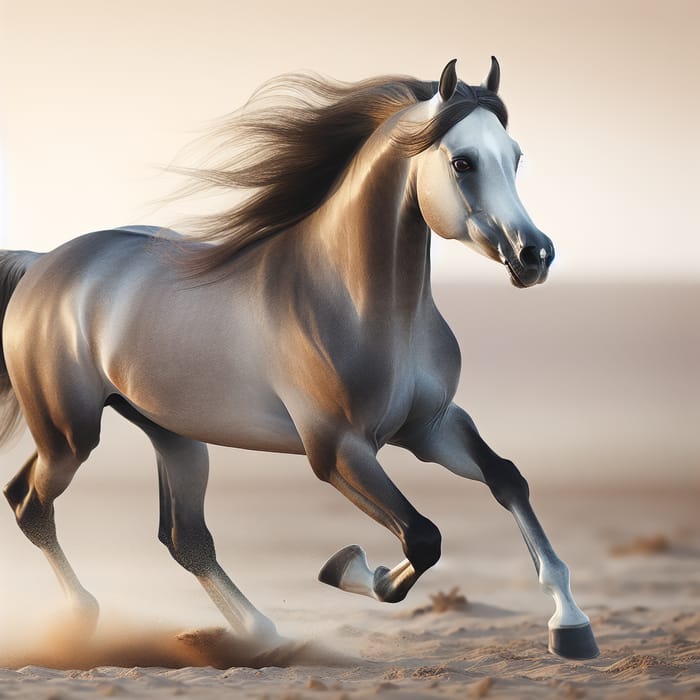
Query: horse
{"x": 301, "y": 320}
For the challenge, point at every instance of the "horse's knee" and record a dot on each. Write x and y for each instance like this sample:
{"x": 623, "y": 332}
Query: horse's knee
{"x": 193, "y": 550}
{"x": 507, "y": 484}
{"x": 422, "y": 545}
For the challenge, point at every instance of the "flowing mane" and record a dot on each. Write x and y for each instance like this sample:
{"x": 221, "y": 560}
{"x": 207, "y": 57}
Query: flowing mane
{"x": 291, "y": 142}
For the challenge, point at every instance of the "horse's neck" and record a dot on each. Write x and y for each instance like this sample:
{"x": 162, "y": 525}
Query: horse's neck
{"x": 373, "y": 233}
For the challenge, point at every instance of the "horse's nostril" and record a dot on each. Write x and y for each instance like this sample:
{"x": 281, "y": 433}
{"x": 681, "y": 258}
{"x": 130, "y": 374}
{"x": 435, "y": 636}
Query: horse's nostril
{"x": 530, "y": 256}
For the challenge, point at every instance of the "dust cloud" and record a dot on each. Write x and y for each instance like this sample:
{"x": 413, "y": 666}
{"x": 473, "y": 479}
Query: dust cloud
{"x": 130, "y": 644}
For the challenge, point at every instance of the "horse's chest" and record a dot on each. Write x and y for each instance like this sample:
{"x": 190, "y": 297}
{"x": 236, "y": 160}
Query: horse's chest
{"x": 376, "y": 379}
{"x": 417, "y": 388}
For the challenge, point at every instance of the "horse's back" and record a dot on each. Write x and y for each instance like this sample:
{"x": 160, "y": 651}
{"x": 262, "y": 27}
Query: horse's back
{"x": 57, "y": 282}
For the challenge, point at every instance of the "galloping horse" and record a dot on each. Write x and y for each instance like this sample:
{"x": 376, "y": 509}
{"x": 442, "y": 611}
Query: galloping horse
{"x": 300, "y": 321}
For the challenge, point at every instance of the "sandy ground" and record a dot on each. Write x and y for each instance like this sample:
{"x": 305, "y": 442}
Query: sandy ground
{"x": 635, "y": 557}
{"x": 623, "y": 513}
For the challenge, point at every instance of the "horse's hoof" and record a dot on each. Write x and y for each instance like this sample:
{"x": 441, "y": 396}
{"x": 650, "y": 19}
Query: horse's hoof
{"x": 348, "y": 570}
{"x": 262, "y": 631}
{"x": 332, "y": 571}
{"x": 576, "y": 643}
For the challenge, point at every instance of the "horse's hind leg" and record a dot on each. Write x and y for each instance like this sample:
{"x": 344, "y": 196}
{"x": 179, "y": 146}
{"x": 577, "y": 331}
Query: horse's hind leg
{"x": 183, "y": 467}
{"x": 183, "y": 472}
{"x": 31, "y": 494}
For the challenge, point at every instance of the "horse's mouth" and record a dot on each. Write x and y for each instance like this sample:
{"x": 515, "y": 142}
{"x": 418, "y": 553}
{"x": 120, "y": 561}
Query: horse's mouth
{"x": 527, "y": 265}
{"x": 514, "y": 269}
{"x": 515, "y": 280}
{"x": 523, "y": 277}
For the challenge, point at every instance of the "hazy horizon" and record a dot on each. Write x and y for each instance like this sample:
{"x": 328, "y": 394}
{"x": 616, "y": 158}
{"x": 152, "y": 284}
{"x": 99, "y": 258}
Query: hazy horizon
{"x": 94, "y": 99}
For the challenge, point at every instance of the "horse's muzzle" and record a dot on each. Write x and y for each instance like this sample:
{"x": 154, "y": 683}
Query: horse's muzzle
{"x": 529, "y": 265}
{"x": 526, "y": 252}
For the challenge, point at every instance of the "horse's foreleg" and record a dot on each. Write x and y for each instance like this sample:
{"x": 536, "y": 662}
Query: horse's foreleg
{"x": 183, "y": 470}
{"x": 360, "y": 478}
{"x": 31, "y": 494}
{"x": 457, "y": 445}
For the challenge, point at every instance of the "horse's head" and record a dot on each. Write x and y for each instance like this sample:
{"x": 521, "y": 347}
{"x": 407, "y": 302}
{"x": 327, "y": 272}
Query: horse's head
{"x": 466, "y": 184}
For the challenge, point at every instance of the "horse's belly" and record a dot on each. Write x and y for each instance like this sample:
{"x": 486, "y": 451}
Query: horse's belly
{"x": 242, "y": 420}
{"x": 212, "y": 389}
{"x": 257, "y": 429}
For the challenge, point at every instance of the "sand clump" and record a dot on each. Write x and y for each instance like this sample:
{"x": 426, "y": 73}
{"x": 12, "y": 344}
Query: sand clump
{"x": 650, "y": 545}
{"x": 443, "y": 602}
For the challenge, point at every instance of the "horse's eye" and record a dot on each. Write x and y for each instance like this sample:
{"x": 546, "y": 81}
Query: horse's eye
{"x": 462, "y": 165}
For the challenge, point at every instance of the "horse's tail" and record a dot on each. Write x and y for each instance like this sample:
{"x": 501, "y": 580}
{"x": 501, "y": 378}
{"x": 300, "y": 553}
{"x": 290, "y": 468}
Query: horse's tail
{"x": 13, "y": 265}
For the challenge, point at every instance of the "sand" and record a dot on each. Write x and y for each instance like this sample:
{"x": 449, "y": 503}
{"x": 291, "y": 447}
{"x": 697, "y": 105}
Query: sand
{"x": 643, "y": 604}
{"x": 623, "y": 513}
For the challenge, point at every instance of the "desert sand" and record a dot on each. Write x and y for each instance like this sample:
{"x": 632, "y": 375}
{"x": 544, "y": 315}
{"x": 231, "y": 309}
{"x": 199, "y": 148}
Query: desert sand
{"x": 598, "y": 408}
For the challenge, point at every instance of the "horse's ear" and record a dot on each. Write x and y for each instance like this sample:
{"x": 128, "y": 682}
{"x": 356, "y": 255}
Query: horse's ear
{"x": 493, "y": 79}
{"x": 448, "y": 81}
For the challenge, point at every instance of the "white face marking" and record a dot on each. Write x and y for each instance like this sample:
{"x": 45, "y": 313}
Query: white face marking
{"x": 447, "y": 204}
{"x": 492, "y": 145}
{"x": 480, "y": 130}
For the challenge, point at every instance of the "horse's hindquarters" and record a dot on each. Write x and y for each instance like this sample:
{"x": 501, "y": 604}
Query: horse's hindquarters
{"x": 109, "y": 313}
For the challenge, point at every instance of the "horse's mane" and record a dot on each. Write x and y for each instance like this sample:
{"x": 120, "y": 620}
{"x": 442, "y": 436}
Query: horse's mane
{"x": 291, "y": 142}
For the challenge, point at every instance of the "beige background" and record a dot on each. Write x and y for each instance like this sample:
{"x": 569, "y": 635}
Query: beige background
{"x": 604, "y": 98}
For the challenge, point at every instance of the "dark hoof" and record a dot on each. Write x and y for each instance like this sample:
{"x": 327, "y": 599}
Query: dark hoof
{"x": 576, "y": 643}
{"x": 333, "y": 570}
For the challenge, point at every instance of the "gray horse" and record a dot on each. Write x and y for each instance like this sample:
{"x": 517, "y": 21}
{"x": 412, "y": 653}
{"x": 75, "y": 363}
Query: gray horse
{"x": 300, "y": 321}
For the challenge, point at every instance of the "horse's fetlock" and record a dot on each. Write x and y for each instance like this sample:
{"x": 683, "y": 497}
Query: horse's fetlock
{"x": 554, "y": 574}
{"x": 423, "y": 545}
